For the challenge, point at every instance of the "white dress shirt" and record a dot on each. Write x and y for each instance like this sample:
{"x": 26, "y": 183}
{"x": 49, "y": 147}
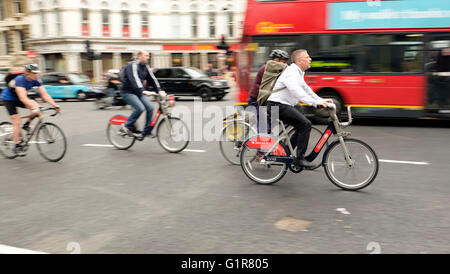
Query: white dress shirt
{"x": 293, "y": 88}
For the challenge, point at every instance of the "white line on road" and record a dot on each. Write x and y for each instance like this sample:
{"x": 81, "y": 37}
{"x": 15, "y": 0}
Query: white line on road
{"x": 96, "y": 145}
{"x": 99, "y": 145}
{"x": 194, "y": 150}
{"x": 4, "y": 249}
{"x": 405, "y": 162}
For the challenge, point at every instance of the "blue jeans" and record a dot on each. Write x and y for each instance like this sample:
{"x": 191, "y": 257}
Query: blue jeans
{"x": 139, "y": 104}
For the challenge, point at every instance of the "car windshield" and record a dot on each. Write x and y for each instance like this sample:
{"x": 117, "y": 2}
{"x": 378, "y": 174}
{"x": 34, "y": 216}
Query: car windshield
{"x": 79, "y": 78}
{"x": 195, "y": 73}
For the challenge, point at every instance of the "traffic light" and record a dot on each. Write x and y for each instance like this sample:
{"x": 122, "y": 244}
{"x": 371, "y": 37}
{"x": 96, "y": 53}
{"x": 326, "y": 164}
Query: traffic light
{"x": 89, "y": 54}
{"x": 223, "y": 45}
{"x": 87, "y": 44}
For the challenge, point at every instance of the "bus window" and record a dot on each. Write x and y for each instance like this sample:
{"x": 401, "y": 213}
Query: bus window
{"x": 397, "y": 53}
{"x": 332, "y": 53}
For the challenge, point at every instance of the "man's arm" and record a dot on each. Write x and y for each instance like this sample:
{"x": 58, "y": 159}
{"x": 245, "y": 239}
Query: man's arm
{"x": 292, "y": 84}
{"x": 151, "y": 79}
{"x": 46, "y": 97}
{"x": 23, "y": 97}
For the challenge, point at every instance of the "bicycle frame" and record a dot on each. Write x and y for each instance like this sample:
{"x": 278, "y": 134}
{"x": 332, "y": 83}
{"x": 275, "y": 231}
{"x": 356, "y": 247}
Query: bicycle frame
{"x": 163, "y": 109}
{"x": 334, "y": 128}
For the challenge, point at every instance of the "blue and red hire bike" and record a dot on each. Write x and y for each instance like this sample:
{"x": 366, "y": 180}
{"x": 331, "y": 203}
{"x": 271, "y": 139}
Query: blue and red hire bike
{"x": 172, "y": 133}
{"x": 349, "y": 163}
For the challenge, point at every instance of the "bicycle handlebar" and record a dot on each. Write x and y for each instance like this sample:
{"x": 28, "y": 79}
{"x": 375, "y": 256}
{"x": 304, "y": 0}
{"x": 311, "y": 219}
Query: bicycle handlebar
{"x": 49, "y": 108}
{"x": 332, "y": 109}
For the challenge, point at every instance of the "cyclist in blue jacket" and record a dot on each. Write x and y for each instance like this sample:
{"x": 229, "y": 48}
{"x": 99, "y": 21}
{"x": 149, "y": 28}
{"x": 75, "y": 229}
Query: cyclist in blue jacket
{"x": 133, "y": 92}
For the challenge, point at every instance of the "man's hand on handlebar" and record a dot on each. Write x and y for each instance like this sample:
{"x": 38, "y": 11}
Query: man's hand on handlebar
{"x": 323, "y": 105}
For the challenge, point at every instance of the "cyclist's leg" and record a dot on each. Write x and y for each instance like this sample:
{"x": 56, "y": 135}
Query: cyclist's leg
{"x": 11, "y": 107}
{"x": 138, "y": 108}
{"x": 149, "y": 109}
{"x": 300, "y": 138}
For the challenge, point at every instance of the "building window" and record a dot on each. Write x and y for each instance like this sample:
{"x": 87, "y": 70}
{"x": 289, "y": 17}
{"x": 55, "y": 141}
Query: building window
{"x": 195, "y": 60}
{"x": 125, "y": 24}
{"x": 4, "y": 43}
{"x": 18, "y": 6}
{"x": 105, "y": 23}
{"x": 194, "y": 21}
{"x": 175, "y": 20}
{"x": 84, "y": 22}
{"x": 144, "y": 24}
{"x": 58, "y": 22}
{"x": 230, "y": 23}
{"x": 177, "y": 59}
{"x": 2, "y": 10}
{"x": 43, "y": 23}
{"x": 19, "y": 41}
{"x": 212, "y": 59}
{"x": 212, "y": 24}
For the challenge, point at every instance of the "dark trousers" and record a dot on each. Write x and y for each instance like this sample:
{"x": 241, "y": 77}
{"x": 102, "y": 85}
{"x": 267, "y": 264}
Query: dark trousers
{"x": 292, "y": 116}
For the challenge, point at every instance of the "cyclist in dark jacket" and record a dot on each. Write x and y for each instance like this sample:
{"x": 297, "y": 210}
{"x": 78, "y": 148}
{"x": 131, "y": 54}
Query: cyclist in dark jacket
{"x": 134, "y": 93}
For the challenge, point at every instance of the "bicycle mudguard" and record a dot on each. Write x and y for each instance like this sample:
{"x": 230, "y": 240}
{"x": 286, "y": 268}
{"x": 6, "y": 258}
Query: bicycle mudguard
{"x": 264, "y": 143}
{"x": 118, "y": 120}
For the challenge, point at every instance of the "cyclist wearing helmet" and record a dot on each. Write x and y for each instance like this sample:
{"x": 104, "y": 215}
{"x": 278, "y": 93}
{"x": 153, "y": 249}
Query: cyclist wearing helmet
{"x": 276, "y": 55}
{"x": 16, "y": 95}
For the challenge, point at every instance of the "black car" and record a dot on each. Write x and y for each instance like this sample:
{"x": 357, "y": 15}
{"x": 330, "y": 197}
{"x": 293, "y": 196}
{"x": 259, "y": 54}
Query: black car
{"x": 181, "y": 81}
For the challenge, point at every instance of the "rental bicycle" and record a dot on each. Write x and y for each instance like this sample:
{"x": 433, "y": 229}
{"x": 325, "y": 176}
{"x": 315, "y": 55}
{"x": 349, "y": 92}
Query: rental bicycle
{"x": 172, "y": 133}
{"x": 349, "y": 163}
{"x": 238, "y": 128}
{"x": 50, "y": 139}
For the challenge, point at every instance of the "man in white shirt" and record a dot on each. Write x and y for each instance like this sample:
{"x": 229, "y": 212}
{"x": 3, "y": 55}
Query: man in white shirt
{"x": 292, "y": 90}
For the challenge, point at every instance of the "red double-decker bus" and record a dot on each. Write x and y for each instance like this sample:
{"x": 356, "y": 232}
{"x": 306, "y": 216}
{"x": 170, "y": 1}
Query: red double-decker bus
{"x": 384, "y": 58}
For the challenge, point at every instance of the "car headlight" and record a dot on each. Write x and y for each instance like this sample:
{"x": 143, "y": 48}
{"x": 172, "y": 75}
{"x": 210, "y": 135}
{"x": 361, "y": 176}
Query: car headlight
{"x": 217, "y": 84}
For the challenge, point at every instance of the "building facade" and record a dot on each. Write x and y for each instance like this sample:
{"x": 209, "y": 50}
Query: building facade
{"x": 14, "y": 34}
{"x": 175, "y": 32}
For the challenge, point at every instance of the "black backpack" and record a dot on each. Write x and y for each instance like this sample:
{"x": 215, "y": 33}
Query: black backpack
{"x": 8, "y": 78}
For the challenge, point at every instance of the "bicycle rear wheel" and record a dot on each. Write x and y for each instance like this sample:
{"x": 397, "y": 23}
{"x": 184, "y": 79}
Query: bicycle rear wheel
{"x": 232, "y": 138}
{"x": 173, "y": 134}
{"x": 6, "y": 140}
{"x": 117, "y": 136}
{"x": 51, "y": 142}
{"x": 362, "y": 171}
{"x": 257, "y": 169}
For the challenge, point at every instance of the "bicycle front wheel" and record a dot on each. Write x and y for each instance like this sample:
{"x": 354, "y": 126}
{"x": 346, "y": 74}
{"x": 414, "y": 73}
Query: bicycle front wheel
{"x": 356, "y": 175}
{"x": 6, "y": 140}
{"x": 51, "y": 142}
{"x": 232, "y": 138}
{"x": 173, "y": 134}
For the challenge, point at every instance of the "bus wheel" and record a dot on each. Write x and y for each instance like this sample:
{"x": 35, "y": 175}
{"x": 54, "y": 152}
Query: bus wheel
{"x": 321, "y": 116}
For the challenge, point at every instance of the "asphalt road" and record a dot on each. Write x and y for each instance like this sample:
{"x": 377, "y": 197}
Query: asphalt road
{"x": 146, "y": 200}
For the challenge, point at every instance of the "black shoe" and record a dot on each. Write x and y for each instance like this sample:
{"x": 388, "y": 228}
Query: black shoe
{"x": 19, "y": 151}
{"x": 305, "y": 164}
{"x": 139, "y": 136}
{"x": 26, "y": 126}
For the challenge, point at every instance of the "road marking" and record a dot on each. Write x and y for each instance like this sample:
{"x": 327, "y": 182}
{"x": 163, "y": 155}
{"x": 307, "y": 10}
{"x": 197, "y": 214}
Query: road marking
{"x": 194, "y": 150}
{"x": 99, "y": 145}
{"x": 343, "y": 211}
{"x": 405, "y": 162}
{"x": 4, "y": 249}
{"x": 96, "y": 145}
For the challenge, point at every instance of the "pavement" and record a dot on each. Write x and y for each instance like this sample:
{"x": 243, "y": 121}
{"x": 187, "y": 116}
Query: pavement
{"x": 145, "y": 200}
